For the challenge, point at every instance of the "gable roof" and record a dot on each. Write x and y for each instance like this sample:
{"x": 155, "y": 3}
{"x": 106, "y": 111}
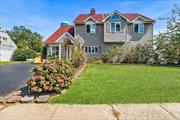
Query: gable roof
{"x": 99, "y": 17}
{"x": 58, "y": 33}
{"x": 116, "y": 12}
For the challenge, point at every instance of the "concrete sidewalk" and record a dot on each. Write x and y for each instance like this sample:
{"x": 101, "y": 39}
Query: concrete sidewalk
{"x": 92, "y": 112}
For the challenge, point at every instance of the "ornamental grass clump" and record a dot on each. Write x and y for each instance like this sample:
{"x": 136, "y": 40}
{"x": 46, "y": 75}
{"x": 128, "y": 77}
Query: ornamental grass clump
{"x": 51, "y": 76}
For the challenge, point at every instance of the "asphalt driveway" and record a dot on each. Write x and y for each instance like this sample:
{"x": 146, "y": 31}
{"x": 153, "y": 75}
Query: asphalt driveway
{"x": 13, "y": 77}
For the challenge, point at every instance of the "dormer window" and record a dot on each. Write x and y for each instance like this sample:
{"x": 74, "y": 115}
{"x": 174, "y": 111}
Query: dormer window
{"x": 91, "y": 28}
{"x": 115, "y": 27}
{"x": 138, "y": 27}
{"x": 115, "y": 17}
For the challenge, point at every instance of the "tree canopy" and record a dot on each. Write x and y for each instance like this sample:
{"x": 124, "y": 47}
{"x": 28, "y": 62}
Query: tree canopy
{"x": 26, "y": 39}
{"x": 168, "y": 43}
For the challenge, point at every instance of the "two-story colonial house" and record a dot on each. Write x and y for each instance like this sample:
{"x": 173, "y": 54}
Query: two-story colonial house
{"x": 99, "y": 32}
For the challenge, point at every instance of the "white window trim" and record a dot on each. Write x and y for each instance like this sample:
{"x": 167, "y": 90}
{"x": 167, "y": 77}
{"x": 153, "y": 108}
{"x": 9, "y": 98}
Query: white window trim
{"x": 55, "y": 50}
{"x": 90, "y": 30}
{"x": 138, "y": 28}
{"x": 91, "y": 50}
{"x": 115, "y": 27}
{"x": 90, "y": 17}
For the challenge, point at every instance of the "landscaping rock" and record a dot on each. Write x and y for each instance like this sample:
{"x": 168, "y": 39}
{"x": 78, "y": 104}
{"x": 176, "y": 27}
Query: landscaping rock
{"x": 42, "y": 99}
{"x": 63, "y": 91}
{"x": 14, "y": 99}
{"x": 27, "y": 99}
{"x": 1, "y": 107}
{"x": 2, "y": 99}
{"x": 16, "y": 93}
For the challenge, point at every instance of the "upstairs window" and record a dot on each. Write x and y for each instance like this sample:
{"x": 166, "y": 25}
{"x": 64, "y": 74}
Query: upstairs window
{"x": 118, "y": 27}
{"x": 139, "y": 27}
{"x": 115, "y": 17}
{"x": 91, "y": 28}
{"x": 115, "y": 27}
{"x": 4, "y": 38}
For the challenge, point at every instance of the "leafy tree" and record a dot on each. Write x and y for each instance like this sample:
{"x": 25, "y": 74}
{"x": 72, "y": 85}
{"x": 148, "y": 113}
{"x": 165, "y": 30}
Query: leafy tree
{"x": 168, "y": 44}
{"x": 78, "y": 56}
{"x": 23, "y": 54}
{"x": 25, "y": 38}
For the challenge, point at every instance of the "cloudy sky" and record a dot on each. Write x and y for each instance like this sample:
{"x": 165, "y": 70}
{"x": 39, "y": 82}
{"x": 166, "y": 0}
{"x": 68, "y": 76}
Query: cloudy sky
{"x": 45, "y": 16}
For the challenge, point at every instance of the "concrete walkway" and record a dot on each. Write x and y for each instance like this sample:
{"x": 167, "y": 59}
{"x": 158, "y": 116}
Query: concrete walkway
{"x": 92, "y": 112}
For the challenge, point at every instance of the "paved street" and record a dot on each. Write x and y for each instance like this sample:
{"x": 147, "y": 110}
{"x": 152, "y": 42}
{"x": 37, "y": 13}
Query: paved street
{"x": 169, "y": 111}
{"x": 13, "y": 76}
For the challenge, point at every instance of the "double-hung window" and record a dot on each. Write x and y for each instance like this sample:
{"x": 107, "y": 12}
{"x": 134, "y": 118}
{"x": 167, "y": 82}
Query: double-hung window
{"x": 55, "y": 50}
{"x": 90, "y": 28}
{"x": 4, "y": 38}
{"x": 139, "y": 27}
{"x": 91, "y": 49}
{"x": 115, "y": 26}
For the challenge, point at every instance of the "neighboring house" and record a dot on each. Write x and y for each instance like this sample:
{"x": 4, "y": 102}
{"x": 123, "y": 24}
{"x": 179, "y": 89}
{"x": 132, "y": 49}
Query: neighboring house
{"x": 99, "y": 32}
{"x": 7, "y": 46}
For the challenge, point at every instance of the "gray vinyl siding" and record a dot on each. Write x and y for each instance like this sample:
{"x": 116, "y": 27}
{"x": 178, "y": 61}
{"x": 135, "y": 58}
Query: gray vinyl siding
{"x": 104, "y": 39}
{"x": 135, "y": 38}
{"x": 96, "y": 39}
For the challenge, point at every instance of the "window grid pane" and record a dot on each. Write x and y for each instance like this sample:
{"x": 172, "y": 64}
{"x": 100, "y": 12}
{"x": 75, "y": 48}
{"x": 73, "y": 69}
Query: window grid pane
{"x": 91, "y": 49}
{"x": 96, "y": 49}
{"x": 93, "y": 28}
{"x": 118, "y": 26}
{"x": 136, "y": 28}
{"x": 86, "y": 49}
{"x": 88, "y": 28}
{"x": 112, "y": 27}
{"x": 141, "y": 27}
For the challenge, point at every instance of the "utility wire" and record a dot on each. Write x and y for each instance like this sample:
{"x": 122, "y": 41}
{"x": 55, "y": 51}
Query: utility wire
{"x": 19, "y": 20}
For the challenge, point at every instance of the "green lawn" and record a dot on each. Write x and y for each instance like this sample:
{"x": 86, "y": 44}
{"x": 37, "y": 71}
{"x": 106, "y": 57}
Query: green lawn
{"x": 106, "y": 84}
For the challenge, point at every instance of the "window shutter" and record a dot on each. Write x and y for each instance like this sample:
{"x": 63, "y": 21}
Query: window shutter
{"x": 107, "y": 27}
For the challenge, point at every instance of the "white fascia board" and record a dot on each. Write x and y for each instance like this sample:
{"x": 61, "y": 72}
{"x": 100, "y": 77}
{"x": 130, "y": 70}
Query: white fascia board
{"x": 117, "y": 12}
{"x": 90, "y": 17}
{"x": 138, "y": 18}
{"x": 72, "y": 39}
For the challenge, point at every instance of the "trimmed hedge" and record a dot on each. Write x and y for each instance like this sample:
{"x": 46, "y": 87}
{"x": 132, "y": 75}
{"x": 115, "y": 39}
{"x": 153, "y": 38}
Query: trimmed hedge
{"x": 23, "y": 54}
